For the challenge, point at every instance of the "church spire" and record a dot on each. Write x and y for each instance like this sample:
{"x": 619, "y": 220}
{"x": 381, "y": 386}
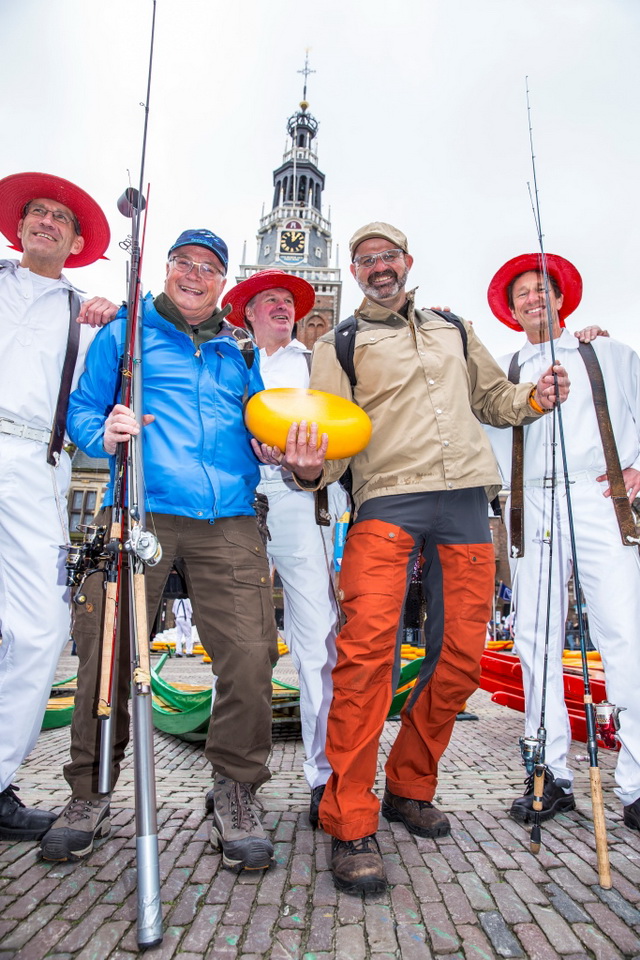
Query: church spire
{"x": 295, "y": 236}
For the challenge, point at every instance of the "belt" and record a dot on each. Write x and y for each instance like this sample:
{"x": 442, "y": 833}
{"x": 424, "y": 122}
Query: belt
{"x": 581, "y": 475}
{"x": 22, "y": 430}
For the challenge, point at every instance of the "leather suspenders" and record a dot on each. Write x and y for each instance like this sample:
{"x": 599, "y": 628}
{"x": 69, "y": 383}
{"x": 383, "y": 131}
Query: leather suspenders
{"x": 621, "y": 505}
{"x": 71, "y": 355}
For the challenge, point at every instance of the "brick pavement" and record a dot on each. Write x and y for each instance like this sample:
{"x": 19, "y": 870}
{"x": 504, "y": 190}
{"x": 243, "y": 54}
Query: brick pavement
{"x": 477, "y": 894}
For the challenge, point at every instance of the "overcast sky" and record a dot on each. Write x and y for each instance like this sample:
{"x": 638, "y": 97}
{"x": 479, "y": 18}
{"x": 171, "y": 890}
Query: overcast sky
{"x": 423, "y": 122}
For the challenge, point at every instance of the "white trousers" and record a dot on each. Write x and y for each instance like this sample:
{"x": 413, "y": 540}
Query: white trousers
{"x": 302, "y": 553}
{"x": 34, "y": 602}
{"x": 610, "y": 578}
{"x": 184, "y": 634}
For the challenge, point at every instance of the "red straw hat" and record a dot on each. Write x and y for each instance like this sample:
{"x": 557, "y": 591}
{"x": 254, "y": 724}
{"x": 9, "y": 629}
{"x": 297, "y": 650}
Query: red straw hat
{"x": 20, "y": 188}
{"x": 304, "y": 296}
{"x": 563, "y": 272}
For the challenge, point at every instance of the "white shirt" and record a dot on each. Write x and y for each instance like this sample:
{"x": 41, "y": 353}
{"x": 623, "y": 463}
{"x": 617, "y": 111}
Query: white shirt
{"x": 287, "y": 367}
{"x": 34, "y": 324}
{"x": 182, "y": 609}
{"x": 621, "y": 373}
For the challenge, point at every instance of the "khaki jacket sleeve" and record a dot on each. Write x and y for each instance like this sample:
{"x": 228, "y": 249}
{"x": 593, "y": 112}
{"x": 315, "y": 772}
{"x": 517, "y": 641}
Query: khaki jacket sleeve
{"x": 494, "y": 399}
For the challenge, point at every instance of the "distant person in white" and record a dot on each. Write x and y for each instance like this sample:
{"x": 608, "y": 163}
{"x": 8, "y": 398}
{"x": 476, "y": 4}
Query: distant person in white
{"x": 609, "y": 570}
{"x": 183, "y": 612}
{"x": 269, "y": 303}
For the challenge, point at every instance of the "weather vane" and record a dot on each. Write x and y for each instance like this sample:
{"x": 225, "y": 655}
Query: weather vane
{"x": 306, "y": 72}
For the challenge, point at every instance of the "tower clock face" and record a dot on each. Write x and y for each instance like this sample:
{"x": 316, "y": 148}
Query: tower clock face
{"x": 292, "y": 241}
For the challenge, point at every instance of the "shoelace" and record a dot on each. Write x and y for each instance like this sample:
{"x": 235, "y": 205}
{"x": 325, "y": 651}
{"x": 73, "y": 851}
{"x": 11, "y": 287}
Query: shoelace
{"x": 528, "y": 783}
{"x": 79, "y": 810}
{"x": 12, "y": 792}
{"x": 363, "y": 845}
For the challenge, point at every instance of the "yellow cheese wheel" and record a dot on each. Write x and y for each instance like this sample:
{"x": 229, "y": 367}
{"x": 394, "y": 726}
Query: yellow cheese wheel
{"x": 270, "y": 413}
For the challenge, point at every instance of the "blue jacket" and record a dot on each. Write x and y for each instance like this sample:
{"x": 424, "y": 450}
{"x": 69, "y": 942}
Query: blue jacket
{"x": 198, "y": 460}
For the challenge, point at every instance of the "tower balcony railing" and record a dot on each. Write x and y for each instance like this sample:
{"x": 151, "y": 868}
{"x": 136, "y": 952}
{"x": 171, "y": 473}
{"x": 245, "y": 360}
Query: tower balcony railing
{"x": 296, "y": 211}
{"x": 300, "y": 153}
{"x": 325, "y": 275}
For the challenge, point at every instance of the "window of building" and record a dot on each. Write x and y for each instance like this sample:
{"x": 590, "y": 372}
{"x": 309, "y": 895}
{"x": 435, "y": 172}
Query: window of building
{"x": 82, "y": 508}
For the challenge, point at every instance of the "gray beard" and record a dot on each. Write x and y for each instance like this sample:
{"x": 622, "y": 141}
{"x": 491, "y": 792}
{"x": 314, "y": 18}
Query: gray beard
{"x": 386, "y": 291}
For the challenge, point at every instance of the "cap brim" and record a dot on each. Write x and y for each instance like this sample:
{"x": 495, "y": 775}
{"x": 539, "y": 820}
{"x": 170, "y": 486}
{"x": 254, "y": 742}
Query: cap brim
{"x": 563, "y": 272}
{"x": 19, "y": 188}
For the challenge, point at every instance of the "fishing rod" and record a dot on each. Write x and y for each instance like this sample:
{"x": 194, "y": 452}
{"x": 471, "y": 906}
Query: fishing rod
{"x": 597, "y": 803}
{"x": 105, "y": 549}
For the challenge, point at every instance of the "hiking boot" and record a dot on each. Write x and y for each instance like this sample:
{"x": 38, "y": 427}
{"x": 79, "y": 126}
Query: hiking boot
{"x": 314, "y": 806}
{"x": 357, "y": 865}
{"x": 631, "y": 814}
{"x": 420, "y": 817}
{"x": 72, "y": 835}
{"x": 236, "y": 827}
{"x": 18, "y": 822}
{"x": 209, "y": 804}
{"x": 556, "y": 798}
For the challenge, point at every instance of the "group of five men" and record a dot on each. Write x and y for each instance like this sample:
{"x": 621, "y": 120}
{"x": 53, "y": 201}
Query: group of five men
{"x": 419, "y": 489}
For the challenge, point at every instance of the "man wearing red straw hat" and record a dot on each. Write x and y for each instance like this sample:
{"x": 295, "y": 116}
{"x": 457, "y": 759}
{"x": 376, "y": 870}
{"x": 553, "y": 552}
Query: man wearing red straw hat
{"x": 605, "y": 537}
{"x": 45, "y": 330}
{"x": 300, "y": 527}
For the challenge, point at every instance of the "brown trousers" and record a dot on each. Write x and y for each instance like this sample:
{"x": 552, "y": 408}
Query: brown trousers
{"x": 227, "y": 575}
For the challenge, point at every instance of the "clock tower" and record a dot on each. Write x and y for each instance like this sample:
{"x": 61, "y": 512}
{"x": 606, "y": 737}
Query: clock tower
{"x": 295, "y": 236}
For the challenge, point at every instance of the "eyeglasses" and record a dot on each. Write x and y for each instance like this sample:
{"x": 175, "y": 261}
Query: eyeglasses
{"x": 58, "y": 215}
{"x": 387, "y": 256}
{"x": 206, "y": 269}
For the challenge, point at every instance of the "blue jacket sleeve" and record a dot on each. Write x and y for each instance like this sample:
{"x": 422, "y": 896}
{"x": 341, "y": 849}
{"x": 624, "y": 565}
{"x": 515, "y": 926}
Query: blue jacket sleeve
{"x": 96, "y": 393}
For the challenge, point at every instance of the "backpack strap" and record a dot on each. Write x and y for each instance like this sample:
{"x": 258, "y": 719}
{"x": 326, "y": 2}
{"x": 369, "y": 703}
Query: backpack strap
{"x": 244, "y": 341}
{"x": 345, "y": 347}
{"x": 60, "y": 417}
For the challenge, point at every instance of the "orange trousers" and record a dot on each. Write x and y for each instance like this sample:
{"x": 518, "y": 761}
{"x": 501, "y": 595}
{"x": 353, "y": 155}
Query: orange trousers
{"x": 458, "y": 578}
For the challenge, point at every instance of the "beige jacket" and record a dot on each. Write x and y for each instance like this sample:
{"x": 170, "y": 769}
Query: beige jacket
{"x": 425, "y": 401}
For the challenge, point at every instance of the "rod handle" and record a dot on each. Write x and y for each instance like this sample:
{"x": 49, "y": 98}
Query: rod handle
{"x": 108, "y": 637}
{"x": 599, "y": 827}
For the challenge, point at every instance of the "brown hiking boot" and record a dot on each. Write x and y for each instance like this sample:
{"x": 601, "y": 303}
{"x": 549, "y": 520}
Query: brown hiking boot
{"x": 81, "y": 823}
{"x": 419, "y": 816}
{"x": 236, "y": 827}
{"x": 357, "y": 865}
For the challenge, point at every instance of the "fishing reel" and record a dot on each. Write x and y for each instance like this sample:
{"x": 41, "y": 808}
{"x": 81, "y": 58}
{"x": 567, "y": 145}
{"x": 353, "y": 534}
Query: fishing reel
{"x": 532, "y": 750}
{"x": 83, "y": 558}
{"x": 144, "y": 545}
{"x": 608, "y": 723}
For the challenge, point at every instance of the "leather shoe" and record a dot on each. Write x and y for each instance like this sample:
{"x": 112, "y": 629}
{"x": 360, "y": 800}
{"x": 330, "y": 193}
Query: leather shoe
{"x": 357, "y": 865}
{"x": 631, "y": 814}
{"x": 419, "y": 816}
{"x": 18, "y": 822}
{"x": 314, "y": 806}
{"x": 555, "y": 799}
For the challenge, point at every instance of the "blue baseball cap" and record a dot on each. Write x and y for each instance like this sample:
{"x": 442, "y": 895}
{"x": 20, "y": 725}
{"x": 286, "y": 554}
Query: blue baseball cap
{"x": 203, "y": 238}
